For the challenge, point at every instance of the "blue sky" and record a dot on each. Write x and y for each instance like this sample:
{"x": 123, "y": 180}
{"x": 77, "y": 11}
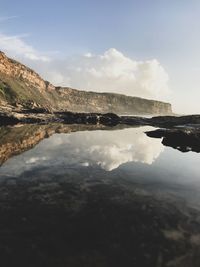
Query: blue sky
{"x": 142, "y": 30}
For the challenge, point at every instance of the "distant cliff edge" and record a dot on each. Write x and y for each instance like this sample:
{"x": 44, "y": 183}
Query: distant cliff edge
{"x": 21, "y": 87}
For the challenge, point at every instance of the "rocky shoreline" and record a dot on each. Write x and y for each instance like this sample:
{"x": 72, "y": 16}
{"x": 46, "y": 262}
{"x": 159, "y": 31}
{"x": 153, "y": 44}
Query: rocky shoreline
{"x": 43, "y": 116}
{"x": 179, "y": 132}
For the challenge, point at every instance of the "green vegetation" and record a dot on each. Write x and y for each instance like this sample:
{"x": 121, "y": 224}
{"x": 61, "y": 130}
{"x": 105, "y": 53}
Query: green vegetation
{"x": 15, "y": 90}
{"x": 6, "y": 92}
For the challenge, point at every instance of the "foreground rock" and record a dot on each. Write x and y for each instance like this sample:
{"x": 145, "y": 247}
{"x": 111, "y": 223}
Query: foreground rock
{"x": 182, "y": 133}
{"x": 171, "y": 121}
{"x": 39, "y": 115}
{"x": 182, "y": 139}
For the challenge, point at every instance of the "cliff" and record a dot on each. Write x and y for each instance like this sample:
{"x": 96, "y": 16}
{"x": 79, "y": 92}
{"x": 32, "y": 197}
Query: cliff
{"x": 21, "y": 87}
{"x": 110, "y": 102}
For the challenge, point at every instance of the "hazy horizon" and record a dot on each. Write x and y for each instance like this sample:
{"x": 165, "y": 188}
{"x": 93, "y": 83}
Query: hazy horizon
{"x": 140, "y": 48}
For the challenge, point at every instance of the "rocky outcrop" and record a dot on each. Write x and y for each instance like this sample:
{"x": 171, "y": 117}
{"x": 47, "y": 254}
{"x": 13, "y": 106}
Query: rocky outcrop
{"x": 16, "y": 139}
{"x": 39, "y": 115}
{"x": 22, "y": 87}
{"x": 184, "y": 140}
{"x": 28, "y": 117}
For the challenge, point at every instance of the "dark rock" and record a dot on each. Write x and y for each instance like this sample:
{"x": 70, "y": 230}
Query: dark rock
{"x": 134, "y": 120}
{"x": 36, "y": 110}
{"x": 109, "y": 119}
{"x": 181, "y": 139}
{"x": 157, "y": 133}
{"x": 6, "y": 119}
{"x": 88, "y": 118}
{"x": 170, "y": 121}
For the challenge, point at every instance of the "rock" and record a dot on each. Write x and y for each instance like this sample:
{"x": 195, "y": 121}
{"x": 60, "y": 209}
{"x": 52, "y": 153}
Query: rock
{"x": 8, "y": 119}
{"x": 134, "y": 120}
{"x": 171, "y": 121}
{"x": 181, "y": 139}
{"x": 88, "y": 118}
{"x": 109, "y": 119}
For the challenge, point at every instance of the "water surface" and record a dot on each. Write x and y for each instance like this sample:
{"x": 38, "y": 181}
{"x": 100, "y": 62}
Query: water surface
{"x": 109, "y": 197}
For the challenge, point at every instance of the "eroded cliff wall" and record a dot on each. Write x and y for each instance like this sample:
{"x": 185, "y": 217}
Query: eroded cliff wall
{"x": 108, "y": 102}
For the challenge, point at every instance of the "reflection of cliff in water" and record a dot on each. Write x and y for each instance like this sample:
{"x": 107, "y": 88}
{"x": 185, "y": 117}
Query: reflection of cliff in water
{"x": 17, "y": 139}
{"x": 106, "y": 149}
{"x": 97, "y": 199}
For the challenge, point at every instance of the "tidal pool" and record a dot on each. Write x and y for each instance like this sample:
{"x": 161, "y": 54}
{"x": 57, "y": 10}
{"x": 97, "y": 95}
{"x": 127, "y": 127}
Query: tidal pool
{"x": 109, "y": 197}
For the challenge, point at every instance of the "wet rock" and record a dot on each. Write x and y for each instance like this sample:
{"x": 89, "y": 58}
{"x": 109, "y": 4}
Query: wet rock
{"x": 181, "y": 139}
{"x": 88, "y": 118}
{"x": 8, "y": 119}
{"x": 134, "y": 120}
{"x": 109, "y": 119}
{"x": 171, "y": 121}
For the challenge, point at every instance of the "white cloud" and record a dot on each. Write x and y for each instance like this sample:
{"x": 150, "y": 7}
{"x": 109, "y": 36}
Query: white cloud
{"x": 16, "y": 47}
{"x": 88, "y": 55}
{"x": 35, "y": 160}
{"x": 110, "y": 72}
{"x": 110, "y": 149}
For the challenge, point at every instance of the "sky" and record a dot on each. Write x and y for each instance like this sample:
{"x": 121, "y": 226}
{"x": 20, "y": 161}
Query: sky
{"x": 146, "y": 48}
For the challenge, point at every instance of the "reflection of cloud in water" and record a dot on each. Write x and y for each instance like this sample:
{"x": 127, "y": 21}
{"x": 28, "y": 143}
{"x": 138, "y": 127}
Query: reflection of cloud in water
{"x": 33, "y": 160}
{"x": 107, "y": 149}
{"x": 110, "y": 149}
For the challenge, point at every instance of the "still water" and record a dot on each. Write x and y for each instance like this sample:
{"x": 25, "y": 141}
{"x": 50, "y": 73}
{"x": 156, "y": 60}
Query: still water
{"x": 109, "y": 197}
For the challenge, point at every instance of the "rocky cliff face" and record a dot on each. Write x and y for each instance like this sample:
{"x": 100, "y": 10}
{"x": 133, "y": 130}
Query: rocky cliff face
{"x": 109, "y": 102}
{"x": 17, "y": 70}
{"x": 22, "y": 87}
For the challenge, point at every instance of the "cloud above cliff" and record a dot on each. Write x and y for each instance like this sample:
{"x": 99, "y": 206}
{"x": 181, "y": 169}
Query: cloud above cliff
{"x": 16, "y": 47}
{"x": 111, "y": 71}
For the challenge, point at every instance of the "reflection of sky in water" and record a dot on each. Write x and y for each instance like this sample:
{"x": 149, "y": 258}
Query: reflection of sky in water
{"x": 107, "y": 149}
{"x": 128, "y": 151}
{"x": 118, "y": 188}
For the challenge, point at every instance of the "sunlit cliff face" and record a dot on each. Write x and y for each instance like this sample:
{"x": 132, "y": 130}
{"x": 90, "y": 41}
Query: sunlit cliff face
{"x": 105, "y": 149}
